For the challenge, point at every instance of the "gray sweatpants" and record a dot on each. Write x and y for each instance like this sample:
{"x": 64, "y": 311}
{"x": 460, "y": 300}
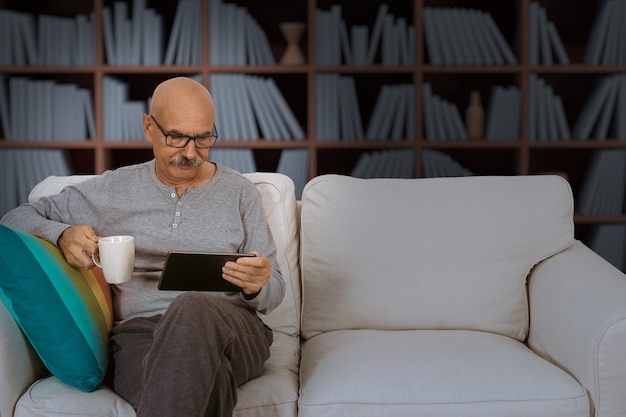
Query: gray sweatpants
{"x": 189, "y": 361}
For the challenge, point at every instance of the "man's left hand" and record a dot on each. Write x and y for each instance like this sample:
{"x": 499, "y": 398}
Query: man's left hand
{"x": 249, "y": 273}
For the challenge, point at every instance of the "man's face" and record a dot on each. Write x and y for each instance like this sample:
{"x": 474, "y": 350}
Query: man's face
{"x": 175, "y": 165}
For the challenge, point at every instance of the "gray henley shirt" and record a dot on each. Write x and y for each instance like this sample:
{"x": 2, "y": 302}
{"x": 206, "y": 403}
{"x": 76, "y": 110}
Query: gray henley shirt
{"x": 224, "y": 215}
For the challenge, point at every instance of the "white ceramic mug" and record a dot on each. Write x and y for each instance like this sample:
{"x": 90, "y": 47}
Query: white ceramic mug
{"x": 116, "y": 257}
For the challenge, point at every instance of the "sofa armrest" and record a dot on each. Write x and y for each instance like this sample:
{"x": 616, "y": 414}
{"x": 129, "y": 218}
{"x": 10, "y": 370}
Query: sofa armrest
{"x": 19, "y": 364}
{"x": 578, "y": 321}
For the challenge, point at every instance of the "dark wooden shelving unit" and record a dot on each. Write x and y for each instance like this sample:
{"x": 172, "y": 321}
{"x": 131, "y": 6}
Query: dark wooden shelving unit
{"x": 520, "y": 157}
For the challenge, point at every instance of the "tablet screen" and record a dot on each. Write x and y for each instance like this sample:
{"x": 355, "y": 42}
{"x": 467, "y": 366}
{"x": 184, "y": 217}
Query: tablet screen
{"x": 197, "y": 271}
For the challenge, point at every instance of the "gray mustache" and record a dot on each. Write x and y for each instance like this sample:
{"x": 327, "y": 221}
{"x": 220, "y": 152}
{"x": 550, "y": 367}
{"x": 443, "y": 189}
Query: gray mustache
{"x": 186, "y": 162}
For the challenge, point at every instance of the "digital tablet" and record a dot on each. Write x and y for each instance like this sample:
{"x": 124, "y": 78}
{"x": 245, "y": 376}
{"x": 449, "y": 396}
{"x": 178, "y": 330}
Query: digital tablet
{"x": 197, "y": 271}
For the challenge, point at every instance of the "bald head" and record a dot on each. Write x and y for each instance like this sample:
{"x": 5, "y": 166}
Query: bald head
{"x": 182, "y": 95}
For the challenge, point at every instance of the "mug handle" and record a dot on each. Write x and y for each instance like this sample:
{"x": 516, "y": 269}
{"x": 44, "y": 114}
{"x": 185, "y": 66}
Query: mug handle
{"x": 96, "y": 259}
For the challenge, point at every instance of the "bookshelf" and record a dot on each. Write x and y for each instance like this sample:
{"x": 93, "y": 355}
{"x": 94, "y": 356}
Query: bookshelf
{"x": 413, "y": 67}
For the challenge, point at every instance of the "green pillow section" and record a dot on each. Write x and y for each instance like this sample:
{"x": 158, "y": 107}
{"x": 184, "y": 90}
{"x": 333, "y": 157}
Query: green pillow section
{"x": 64, "y": 312}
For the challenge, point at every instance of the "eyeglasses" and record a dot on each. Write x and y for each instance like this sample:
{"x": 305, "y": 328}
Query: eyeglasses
{"x": 178, "y": 140}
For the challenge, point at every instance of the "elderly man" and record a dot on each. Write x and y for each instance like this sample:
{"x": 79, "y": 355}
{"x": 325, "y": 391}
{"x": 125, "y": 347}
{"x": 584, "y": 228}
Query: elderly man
{"x": 174, "y": 354}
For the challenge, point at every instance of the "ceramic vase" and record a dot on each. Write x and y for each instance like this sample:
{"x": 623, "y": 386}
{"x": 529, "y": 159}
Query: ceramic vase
{"x": 292, "y": 31}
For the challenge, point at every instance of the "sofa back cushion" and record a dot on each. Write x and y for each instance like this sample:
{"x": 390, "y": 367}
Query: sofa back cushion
{"x": 436, "y": 253}
{"x": 279, "y": 203}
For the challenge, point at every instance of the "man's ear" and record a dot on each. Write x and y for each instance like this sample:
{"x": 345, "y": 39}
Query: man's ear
{"x": 147, "y": 123}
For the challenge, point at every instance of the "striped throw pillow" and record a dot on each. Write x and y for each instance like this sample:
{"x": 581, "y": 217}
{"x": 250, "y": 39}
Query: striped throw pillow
{"x": 65, "y": 313}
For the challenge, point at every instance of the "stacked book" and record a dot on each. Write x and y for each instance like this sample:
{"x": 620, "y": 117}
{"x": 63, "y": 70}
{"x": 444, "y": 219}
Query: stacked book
{"x": 26, "y": 39}
{"x": 235, "y": 37}
{"x": 22, "y": 169}
{"x": 603, "y": 113}
{"x": 389, "y": 163}
{"x": 442, "y": 120}
{"x": 393, "y": 116}
{"x": 602, "y": 194}
{"x": 460, "y": 36}
{"x": 122, "y": 117}
{"x": 295, "y": 164}
{"x": 609, "y": 241}
{"x": 606, "y": 45}
{"x": 248, "y": 107}
{"x": 241, "y": 160}
{"x": 391, "y": 38}
{"x": 62, "y": 111}
{"x": 545, "y": 46}
{"x": 438, "y": 164}
{"x": 504, "y": 114}
{"x": 136, "y": 38}
{"x": 546, "y": 119}
{"x": 338, "y": 115}
{"x": 602, "y": 190}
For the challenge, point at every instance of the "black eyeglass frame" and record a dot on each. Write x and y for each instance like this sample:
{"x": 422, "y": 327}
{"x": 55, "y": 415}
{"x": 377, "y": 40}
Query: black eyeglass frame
{"x": 214, "y": 134}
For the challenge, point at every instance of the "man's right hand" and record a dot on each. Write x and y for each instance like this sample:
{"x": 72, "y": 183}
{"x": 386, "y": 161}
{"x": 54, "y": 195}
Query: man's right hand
{"x": 77, "y": 244}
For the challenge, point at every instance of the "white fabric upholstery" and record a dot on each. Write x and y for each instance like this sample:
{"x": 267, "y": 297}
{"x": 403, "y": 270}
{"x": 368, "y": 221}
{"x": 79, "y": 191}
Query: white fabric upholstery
{"x": 54, "y": 184}
{"x": 275, "y": 393}
{"x": 279, "y": 203}
{"x": 19, "y": 364}
{"x": 398, "y": 276}
{"x": 432, "y": 373}
{"x": 439, "y": 253}
{"x": 578, "y": 311}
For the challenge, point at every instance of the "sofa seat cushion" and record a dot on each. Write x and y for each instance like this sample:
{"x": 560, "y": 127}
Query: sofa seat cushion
{"x": 274, "y": 394}
{"x": 429, "y": 253}
{"x": 432, "y": 373}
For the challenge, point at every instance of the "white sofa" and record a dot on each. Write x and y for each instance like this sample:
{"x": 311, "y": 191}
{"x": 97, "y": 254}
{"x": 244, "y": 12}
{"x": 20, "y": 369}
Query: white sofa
{"x": 426, "y": 297}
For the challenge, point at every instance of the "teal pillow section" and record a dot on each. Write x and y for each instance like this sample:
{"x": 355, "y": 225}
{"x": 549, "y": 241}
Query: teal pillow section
{"x": 65, "y": 313}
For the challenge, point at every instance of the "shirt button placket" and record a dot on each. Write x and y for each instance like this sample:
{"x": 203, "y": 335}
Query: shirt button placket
{"x": 177, "y": 213}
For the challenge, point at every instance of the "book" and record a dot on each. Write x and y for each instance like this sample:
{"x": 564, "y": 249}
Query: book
{"x": 429, "y": 118}
{"x": 398, "y": 125}
{"x": 175, "y": 33}
{"x": 246, "y": 119}
{"x": 341, "y": 33}
{"x": 545, "y": 52}
{"x": 431, "y": 38}
{"x": 467, "y": 55}
{"x": 295, "y": 130}
{"x": 355, "y": 110}
{"x": 5, "y": 117}
{"x": 611, "y": 45}
{"x": 533, "y": 33}
{"x": 601, "y": 128}
{"x": 608, "y": 241}
{"x": 503, "y": 46}
{"x": 557, "y": 45}
{"x": 598, "y": 34}
{"x": 438, "y": 164}
{"x": 359, "y": 37}
{"x": 448, "y": 20}
{"x": 563, "y": 126}
{"x": 472, "y": 41}
{"x": 373, "y": 131}
{"x": 494, "y": 114}
{"x": 443, "y": 36}
{"x": 109, "y": 42}
{"x": 295, "y": 164}
{"x": 620, "y": 109}
{"x": 592, "y": 108}
{"x": 6, "y": 38}
{"x": 377, "y": 32}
